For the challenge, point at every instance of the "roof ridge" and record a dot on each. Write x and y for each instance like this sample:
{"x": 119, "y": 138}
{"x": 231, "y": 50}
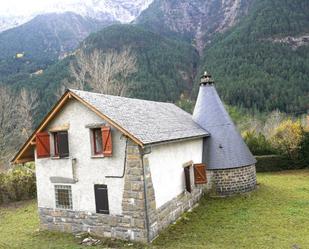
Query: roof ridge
{"x": 116, "y": 96}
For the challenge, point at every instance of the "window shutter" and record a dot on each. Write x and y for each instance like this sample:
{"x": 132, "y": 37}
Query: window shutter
{"x": 107, "y": 141}
{"x": 42, "y": 144}
{"x": 101, "y": 198}
{"x": 63, "y": 144}
{"x": 200, "y": 174}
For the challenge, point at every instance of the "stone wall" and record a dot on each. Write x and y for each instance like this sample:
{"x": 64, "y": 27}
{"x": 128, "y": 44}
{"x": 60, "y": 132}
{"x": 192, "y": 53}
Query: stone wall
{"x": 226, "y": 182}
{"x": 130, "y": 225}
{"x": 172, "y": 210}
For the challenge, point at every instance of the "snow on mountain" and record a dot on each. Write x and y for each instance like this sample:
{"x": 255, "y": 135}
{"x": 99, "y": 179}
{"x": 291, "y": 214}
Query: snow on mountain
{"x": 119, "y": 10}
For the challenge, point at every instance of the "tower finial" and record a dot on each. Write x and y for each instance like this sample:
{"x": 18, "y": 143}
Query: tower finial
{"x": 206, "y": 79}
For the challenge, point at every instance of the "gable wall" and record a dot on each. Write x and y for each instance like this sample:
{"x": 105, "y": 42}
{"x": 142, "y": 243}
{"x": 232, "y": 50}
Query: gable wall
{"x": 87, "y": 170}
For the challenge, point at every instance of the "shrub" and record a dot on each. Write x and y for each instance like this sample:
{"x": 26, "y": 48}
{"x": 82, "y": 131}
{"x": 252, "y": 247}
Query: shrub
{"x": 17, "y": 184}
{"x": 287, "y": 138}
{"x": 304, "y": 150}
{"x": 257, "y": 143}
{"x": 273, "y": 163}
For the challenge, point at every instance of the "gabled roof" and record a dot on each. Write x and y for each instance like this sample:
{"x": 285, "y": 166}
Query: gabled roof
{"x": 149, "y": 121}
{"x": 145, "y": 122}
{"x": 225, "y": 147}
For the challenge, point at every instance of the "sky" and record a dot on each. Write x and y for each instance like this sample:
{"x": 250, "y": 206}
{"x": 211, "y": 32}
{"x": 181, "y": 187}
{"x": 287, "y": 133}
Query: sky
{"x": 27, "y": 7}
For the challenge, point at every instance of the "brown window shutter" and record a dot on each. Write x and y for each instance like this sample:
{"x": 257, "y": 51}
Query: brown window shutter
{"x": 200, "y": 174}
{"x": 42, "y": 145}
{"x": 107, "y": 141}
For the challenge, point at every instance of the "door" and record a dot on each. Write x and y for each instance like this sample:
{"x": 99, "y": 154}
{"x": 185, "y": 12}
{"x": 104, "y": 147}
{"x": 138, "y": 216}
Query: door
{"x": 101, "y": 198}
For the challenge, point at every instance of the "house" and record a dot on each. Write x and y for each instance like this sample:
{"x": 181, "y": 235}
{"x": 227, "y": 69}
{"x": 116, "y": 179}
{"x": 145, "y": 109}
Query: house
{"x": 127, "y": 168}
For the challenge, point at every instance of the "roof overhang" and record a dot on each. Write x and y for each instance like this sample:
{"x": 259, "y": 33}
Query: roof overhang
{"x": 26, "y": 152}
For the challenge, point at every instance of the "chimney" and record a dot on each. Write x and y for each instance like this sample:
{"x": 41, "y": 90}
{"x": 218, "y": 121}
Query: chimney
{"x": 206, "y": 79}
{"x": 225, "y": 147}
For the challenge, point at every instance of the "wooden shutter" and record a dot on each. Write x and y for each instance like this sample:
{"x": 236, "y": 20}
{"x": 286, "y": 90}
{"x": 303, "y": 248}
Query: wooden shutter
{"x": 200, "y": 174}
{"x": 101, "y": 199}
{"x": 107, "y": 141}
{"x": 187, "y": 179}
{"x": 42, "y": 145}
{"x": 63, "y": 143}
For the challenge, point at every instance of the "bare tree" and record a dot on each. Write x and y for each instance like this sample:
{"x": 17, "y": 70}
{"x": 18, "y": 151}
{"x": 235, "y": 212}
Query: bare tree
{"x": 28, "y": 102}
{"x": 104, "y": 72}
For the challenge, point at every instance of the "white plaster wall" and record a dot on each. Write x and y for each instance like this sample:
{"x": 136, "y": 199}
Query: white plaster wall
{"x": 89, "y": 171}
{"x": 166, "y": 166}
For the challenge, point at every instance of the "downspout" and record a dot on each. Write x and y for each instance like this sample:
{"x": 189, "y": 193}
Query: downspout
{"x": 142, "y": 153}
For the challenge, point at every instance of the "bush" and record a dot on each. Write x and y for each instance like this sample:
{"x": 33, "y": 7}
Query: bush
{"x": 257, "y": 143}
{"x": 304, "y": 150}
{"x": 17, "y": 184}
{"x": 287, "y": 138}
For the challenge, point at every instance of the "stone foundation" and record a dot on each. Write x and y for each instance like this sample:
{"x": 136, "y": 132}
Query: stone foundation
{"x": 225, "y": 182}
{"x": 172, "y": 210}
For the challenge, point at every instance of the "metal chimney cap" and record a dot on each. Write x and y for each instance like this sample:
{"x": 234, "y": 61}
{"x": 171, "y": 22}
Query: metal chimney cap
{"x": 206, "y": 79}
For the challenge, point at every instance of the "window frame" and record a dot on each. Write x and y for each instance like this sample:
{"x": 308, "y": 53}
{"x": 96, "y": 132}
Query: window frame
{"x": 55, "y": 144}
{"x": 69, "y": 205}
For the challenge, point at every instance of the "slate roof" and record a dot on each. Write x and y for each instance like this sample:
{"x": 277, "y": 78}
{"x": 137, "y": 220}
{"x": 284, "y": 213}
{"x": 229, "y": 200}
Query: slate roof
{"x": 225, "y": 147}
{"x": 149, "y": 121}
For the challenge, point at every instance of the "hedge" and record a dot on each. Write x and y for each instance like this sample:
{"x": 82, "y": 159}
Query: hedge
{"x": 276, "y": 163}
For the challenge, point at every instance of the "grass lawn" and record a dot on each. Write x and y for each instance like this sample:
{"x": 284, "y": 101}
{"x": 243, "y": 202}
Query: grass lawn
{"x": 276, "y": 215}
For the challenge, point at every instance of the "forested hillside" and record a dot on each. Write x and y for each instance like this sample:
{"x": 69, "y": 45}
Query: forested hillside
{"x": 253, "y": 69}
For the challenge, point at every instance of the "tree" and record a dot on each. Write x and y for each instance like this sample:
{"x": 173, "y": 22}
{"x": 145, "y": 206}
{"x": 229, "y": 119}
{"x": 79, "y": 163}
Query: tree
{"x": 104, "y": 72}
{"x": 287, "y": 137}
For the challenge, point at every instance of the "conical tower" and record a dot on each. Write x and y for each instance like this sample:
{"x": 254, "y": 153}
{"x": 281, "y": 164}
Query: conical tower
{"x": 225, "y": 148}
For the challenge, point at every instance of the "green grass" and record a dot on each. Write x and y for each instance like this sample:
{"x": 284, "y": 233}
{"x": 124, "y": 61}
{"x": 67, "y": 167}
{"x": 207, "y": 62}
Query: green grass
{"x": 276, "y": 215}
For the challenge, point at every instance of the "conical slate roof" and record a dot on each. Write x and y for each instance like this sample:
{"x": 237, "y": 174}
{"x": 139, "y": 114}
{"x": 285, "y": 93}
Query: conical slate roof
{"x": 225, "y": 147}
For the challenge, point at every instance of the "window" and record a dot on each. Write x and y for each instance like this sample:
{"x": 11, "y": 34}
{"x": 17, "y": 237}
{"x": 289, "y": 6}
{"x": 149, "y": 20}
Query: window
{"x": 63, "y": 194}
{"x": 61, "y": 144}
{"x": 97, "y": 141}
{"x": 188, "y": 179}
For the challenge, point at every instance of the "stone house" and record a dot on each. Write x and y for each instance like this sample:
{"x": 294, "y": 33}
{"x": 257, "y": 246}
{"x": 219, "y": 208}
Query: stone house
{"x": 127, "y": 168}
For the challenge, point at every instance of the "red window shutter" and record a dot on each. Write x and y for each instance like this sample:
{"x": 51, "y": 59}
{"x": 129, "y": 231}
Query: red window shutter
{"x": 200, "y": 174}
{"x": 107, "y": 141}
{"x": 42, "y": 145}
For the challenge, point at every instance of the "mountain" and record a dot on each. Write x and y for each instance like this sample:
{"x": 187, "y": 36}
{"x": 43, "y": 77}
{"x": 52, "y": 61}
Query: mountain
{"x": 42, "y": 41}
{"x": 194, "y": 21}
{"x": 263, "y": 62}
{"x": 257, "y": 49}
{"x": 166, "y": 67}
{"x": 123, "y": 11}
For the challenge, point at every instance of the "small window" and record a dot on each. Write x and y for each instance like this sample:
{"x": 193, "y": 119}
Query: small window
{"x": 61, "y": 144}
{"x": 97, "y": 141}
{"x": 188, "y": 179}
{"x": 63, "y": 194}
